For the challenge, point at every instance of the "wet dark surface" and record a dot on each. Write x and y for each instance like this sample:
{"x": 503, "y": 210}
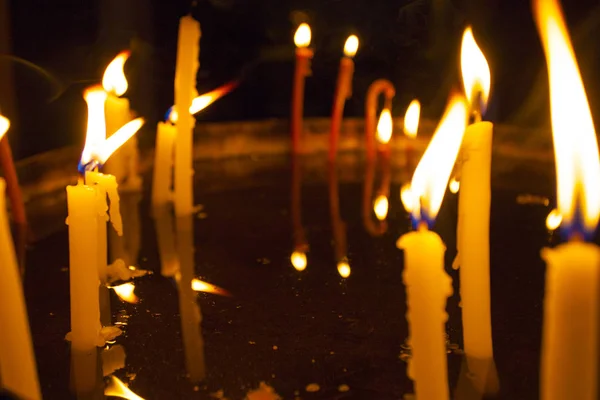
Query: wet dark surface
{"x": 285, "y": 327}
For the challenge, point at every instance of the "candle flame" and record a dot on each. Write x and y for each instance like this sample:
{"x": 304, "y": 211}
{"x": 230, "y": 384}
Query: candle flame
{"x": 574, "y": 136}
{"x": 117, "y": 388}
{"x": 411, "y": 119}
{"x": 4, "y": 125}
{"x": 298, "y": 260}
{"x": 351, "y": 46}
{"x": 201, "y": 286}
{"x": 344, "y": 269}
{"x": 384, "y": 126}
{"x": 381, "y": 206}
{"x": 429, "y": 181}
{"x": 553, "y": 220}
{"x": 114, "y": 80}
{"x": 126, "y": 292}
{"x": 95, "y": 97}
{"x": 203, "y": 101}
{"x": 406, "y": 197}
{"x": 302, "y": 36}
{"x": 454, "y": 185}
{"x": 119, "y": 138}
{"x": 475, "y": 71}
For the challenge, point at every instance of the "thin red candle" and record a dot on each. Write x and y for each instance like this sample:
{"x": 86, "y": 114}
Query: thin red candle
{"x": 302, "y": 70}
{"x": 343, "y": 91}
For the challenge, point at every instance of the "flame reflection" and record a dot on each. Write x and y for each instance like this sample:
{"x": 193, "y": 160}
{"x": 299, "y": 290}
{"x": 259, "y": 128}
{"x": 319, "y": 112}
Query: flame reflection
{"x": 126, "y": 292}
{"x": 298, "y": 260}
{"x": 201, "y": 286}
{"x": 117, "y": 388}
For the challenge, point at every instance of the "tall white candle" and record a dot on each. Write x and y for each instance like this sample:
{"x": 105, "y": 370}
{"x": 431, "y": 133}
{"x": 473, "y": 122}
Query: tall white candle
{"x": 427, "y": 289}
{"x": 473, "y": 239}
{"x": 570, "y": 351}
{"x": 83, "y": 217}
{"x": 427, "y": 284}
{"x": 188, "y": 49}
{"x": 18, "y": 372}
{"x": 162, "y": 179}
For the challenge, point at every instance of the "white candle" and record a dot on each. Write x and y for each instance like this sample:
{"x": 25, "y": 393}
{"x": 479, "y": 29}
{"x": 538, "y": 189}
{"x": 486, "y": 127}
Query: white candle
{"x": 570, "y": 351}
{"x": 18, "y": 372}
{"x": 83, "y": 217}
{"x": 123, "y": 163}
{"x": 427, "y": 288}
{"x": 188, "y": 48}
{"x": 106, "y": 185}
{"x": 427, "y": 284}
{"x": 473, "y": 239}
{"x": 162, "y": 179}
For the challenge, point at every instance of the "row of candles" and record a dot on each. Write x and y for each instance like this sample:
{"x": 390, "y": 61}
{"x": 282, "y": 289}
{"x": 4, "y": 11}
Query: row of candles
{"x": 570, "y": 348}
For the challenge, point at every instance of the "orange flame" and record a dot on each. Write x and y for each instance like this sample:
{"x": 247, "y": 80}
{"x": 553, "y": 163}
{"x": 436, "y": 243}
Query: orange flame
{"x": 126, "y": 292}
{"x": 344, "y": 269}
{"x": 119, "y": 138}
{"x": 475, "y": 70}
{"x": 298, "y": 259}
{"x": 114, "y": 80}
{"x": 574, "y": 136}
{"x": 411, "y": 119}
{"x": 95, "y": 97}
{"x": 4, "y": 125}
{"x": 384, "y": 126}
{"x": 117, "y": 388}
{"x": 381, "y": 206}
{"x": 201, "y": 286}
{"x": 205, "y": 100}
{"x": 424, "y": 196}
{"x": 351, "y": 46}
{"x": 302, "y": 36}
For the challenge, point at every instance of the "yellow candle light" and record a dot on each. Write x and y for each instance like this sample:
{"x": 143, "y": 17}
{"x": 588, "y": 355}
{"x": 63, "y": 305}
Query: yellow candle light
{"x": 343, "y": 91}
{"x": 298, "y": 257}
{"x": 473, "y": 232}
{"x": 166, "y": 132}
{"x": 571, "y": 307}
{"x": 427, "y": 284}
{"x": 123, "y": 163}
{"x": 188, "y": 49}
{"x": 411, "y": 126}
{"x": 302, "y": 39}
{"x": 18, "y": 372}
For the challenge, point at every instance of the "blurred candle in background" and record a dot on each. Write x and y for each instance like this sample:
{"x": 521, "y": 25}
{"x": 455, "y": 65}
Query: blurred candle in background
{"x": 474, "y": 201}
{"x": 188, "y": 53}
{"x": 570, "y": 356}
{"x": 378, "y": 87}
{"x": 343, "y": 91}
{"x": 427, "y": 283}
{"x": 302, "y": 39}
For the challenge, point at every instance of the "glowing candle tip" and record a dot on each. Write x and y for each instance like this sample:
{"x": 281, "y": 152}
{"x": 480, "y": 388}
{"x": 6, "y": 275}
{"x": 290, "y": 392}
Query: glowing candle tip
{"x": 384, "y": 127}
{"x": 302, "y": 36}
{"x": 114, "y": 80}
{"x": 475, "y": 72}
{"x": 351, "y": 46}
{"x": 411, "y": 119}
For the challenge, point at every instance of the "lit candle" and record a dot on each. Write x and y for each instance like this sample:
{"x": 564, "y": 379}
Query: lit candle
{"x": 10, "y": 174}
{"x": 302, "y": 70}
{"x": 569, "y": 367}
{"x": 123, "y": 163}
{"x": 188, "y": 49}
{"x": 380, "y": 86}
{"x": 18, "y": 371}
{"x": 166, "y": 132}
{"x": 411, "y": 128}
{"x": 343, "y": 91}
{"x": 298, "y": 257}
{"x": 384, "y": 131}
{"x": 87, "y": 213}
{"x": 427, "y": 283}
{"x": 473, "y": 231}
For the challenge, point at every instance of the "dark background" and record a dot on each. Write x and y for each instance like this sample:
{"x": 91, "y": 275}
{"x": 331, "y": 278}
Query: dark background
{"x": 57, "y": 48}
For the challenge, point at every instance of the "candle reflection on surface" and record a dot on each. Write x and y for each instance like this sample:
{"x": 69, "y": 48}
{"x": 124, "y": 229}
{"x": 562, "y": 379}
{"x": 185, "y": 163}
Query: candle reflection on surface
{"x": 176, "y": 248}
{"x": 301, "y": 247}
{"x": 337, "y": 224}
{"x": 86, "y": 374}
{"x": 381, "y": 203}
